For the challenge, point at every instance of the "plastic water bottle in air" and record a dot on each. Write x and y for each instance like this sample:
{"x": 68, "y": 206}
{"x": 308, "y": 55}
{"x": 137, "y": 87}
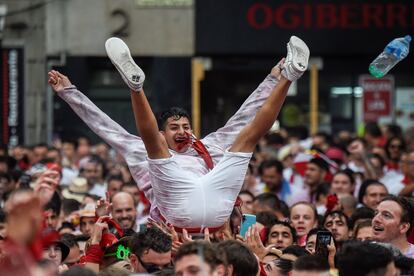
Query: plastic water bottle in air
{"x": 394, "y": 52}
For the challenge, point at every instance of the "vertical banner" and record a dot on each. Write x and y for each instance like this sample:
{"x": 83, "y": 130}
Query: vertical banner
{"x": 11, "y": 98}
{"x": 378, "y": 95}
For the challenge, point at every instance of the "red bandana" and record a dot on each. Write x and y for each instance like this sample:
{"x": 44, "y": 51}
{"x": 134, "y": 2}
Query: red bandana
{"x": 199, "y": 147}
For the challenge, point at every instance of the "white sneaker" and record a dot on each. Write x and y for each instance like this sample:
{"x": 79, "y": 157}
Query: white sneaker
{"x": 120, "y": 56}
{"x": 297, "y": 59}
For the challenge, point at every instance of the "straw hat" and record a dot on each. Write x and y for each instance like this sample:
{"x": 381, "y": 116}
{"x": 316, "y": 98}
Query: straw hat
{"x": 88, "y": 211}
{"x": 77, "y": 189}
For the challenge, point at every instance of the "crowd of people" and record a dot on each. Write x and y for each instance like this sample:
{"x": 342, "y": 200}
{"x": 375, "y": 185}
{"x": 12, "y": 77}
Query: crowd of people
{"x": 121, "y": 206}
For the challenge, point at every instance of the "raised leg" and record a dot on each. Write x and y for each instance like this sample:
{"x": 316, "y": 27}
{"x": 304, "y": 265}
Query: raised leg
{"x": 295, "y": 65}
{"x": 134, "y": 77}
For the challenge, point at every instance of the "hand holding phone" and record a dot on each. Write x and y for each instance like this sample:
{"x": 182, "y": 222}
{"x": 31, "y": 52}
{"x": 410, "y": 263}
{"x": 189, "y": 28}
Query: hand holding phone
{"x": 323, "y": 239}
{"x": 247, "y": 221}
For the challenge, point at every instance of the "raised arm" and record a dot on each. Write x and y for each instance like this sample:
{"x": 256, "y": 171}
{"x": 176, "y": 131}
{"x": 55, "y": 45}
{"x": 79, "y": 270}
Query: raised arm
{"x": 224, "y": 137}
{"x": 129, "y": 146}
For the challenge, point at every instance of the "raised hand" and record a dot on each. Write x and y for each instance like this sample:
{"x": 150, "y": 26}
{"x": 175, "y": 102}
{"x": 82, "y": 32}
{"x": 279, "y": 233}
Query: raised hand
{"x": 98, "y": 229}
{"x": 103, "y": 206}
{"x": 46, "y": 185}
{"x": 58, "y": 81}
{"x": 186, "y": 237}
{"x": 255, "y": 243}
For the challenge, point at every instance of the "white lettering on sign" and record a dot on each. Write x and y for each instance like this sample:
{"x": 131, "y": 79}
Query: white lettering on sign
{"x": 376, "y": 105}
{"x": 13, "y": 89}
{"x": 378, "y": 86}
{"x": 13, "y": 119}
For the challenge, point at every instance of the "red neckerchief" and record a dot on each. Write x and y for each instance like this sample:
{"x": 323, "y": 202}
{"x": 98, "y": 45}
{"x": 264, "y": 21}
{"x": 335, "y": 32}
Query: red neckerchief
{"x": 393, "y": 165}
{"x": 405, "y": 180}
{"x": 199, "y": 147}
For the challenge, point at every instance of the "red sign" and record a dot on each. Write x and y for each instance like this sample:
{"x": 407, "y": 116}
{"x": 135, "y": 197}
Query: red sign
{"x": 377, "y": 96}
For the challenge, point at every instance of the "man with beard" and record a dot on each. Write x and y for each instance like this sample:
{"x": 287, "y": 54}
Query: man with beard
{"x": 124, "y": 211}
{"x": 393, "y": 222}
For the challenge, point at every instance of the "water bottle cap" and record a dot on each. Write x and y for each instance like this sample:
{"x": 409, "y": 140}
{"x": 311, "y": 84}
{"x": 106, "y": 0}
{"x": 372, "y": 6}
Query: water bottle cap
{"x": 408, "y": 38}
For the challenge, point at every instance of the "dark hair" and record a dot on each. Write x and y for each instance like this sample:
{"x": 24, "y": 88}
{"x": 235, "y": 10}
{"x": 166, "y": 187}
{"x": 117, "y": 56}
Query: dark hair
{"x": 322, "y": 164}
{"x": 283, "y": 223}
{"x": 407, "y": 215}
{"x": 373, "y": 129}
{"x": 266, "y": 218}
{"x": 54, "y": 204}
{"x": 69, "y": 240}
{"x": 295, "y": 250}
{"x": 174, "y": 112}
{"x": 115, "y": 178}
{"x": 359, "y": 214}
{"x": 66, "y": 225}
{"x": 205, "y": 250}
{"x": 314, "y": 231}
{"x": 93, "y": 158}
{"x": 389, "y": 141}
{"x": 310, "y": 263}
{"x": 7, "y": 176}
{"x": 284, "y": 209}
{"x": 152, "y": 238}
{"x": 364, "y": 187}
{"x": 41, "y": 145}
{"x": 379, "y": 157}
{"x": 394, "y": 130}
{"x": 338, "y": 213}
{"x": 323, "y": 188}
{"x": 361, "y": 258}
{"x": 70, "y": 205}
{"x": 269, "y": 199}
{"x": 129, "y": 184}
{"x": 274, "y": 139}
{"x": 71, "y": 141}
{"x": 240, "y": 257}
{"x": 270, "y": 164}
{"x": 348, "y": 173}
{"x": 3, "y": 216}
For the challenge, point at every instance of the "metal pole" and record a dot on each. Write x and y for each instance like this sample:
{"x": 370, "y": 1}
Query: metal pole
{"x": 313, "y": 99}
{"x": 197, "y": 75}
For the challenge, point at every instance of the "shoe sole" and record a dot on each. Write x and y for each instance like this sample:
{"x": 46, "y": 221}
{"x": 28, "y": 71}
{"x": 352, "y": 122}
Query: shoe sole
{"x": 120, "y": 56}
{"x": 300, "y": 53}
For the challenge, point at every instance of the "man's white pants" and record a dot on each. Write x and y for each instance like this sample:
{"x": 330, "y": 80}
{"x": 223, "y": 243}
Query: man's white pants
{"x": 190, "y": 200}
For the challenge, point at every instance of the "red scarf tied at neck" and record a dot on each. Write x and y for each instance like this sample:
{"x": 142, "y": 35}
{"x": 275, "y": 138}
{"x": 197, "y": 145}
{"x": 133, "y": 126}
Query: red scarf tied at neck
{"x": 199, "y": 147}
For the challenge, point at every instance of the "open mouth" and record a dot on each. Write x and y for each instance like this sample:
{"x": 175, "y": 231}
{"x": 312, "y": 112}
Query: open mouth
{"x": 377, "y": 228}
{"x": 180, "y": 139}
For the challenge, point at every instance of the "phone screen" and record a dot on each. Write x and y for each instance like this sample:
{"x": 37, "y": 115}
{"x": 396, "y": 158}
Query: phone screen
{"x": 323, "y": 238}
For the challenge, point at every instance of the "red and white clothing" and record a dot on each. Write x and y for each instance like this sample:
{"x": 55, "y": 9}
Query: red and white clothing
{"x": 132, "y": 148}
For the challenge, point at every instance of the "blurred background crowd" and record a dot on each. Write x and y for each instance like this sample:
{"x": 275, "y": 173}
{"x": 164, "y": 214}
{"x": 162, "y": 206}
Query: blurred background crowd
{"x": 53, "y": 195}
